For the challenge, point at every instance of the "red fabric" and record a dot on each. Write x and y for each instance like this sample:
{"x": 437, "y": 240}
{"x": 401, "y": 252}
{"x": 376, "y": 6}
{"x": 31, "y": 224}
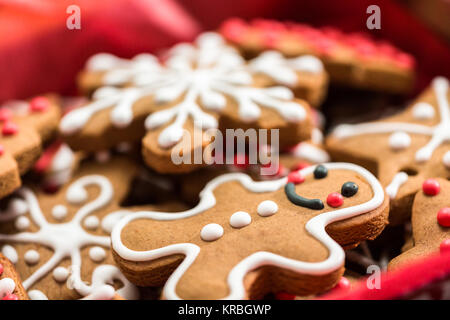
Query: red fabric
{"x": 38, "y": 53}
{"x": 396, "y": 284}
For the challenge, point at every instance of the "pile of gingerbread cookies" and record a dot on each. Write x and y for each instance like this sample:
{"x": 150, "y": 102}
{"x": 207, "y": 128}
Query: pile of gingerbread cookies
{"x": 94, "y": 207}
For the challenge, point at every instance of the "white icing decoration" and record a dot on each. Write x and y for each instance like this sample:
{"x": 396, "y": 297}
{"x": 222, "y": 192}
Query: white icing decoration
{"x": 59, "y": 212}
{"x": 97, "y": 254}
{"x": 37, "y": 295}
{"x": 7, "y": 286}
{"x": 211, "y": 232}
{"x": 267, "y": 208}
{"x": 446, "y": 159}
{"x": 22, "y": 223}
{"x": 219, "y": 71}
{"x": 63, "y": 158}
{"x": 398, "y": 180}
{"x": 67, "y": 239}
{"x": 240, "y": 219}
{"x": 310, "y": 152}
{"x": 11, "y": 253}
{"x": 423, "y": 111}
{"x": 91, "y": 223}
{"x": 399, "y": 140}
{"x": 60, "y": 274}
{"x": 315, "y": 227}
{"x": 439, "y": 133}
{"x": 31, "y": 257}
{"x": 16, "y": 207}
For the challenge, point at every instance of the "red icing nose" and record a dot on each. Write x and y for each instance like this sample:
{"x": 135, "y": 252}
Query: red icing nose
{"x": 335, "y": 199}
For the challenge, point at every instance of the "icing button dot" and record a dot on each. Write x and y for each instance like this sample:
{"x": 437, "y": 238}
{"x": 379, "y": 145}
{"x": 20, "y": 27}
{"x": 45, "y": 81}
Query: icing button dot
{"x": 443, "y": 217}
{"x": 211, "y": 232}
{"x": 60, "y": 274}
{"x": 320, "y": 172}
{"x": 295, "y": 177}
{"x": 39, "y": 104}
{"x": 444, "y": 246}
{"x": 267, "y": 208}
{"x": 31, "y": 257}
{"x": 240, "y": 219}
{"x": 431, "y": 187}
{"x": 91, "y": 222}
{"x": 399, "y": 140}
{"x": 97, "y": 254}
{"x": 423, "y": 111}
{"x": 5, "y": 114}
{"x": 335, "y": 199}
{"x": 59, "y": 212}
{"x": 9, "y": 128}
{"x": 349, "y": 189}
{"x": 10, "y": 296}
{"x": 22, "y": 223}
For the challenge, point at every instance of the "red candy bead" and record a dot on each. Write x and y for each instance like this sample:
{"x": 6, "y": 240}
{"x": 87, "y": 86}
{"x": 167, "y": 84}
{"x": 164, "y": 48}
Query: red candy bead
{"x": 284, "y": 296}
{"x": 295, "y": 177}
{"x": 445, "y": 246}
{"x": 39, "y": 104}
{"x": 2, "y": 150}
{"x": 9, "y": 128}
{"x": 443, "y": 217}
{"x": 335, "y": 199}
{"x": 5, "y": 114}
{"x": 343, "y": 283}
{"x": 431, "y": 187}
{"x": 10, "y": 296}
{"x": 1, "y": 269}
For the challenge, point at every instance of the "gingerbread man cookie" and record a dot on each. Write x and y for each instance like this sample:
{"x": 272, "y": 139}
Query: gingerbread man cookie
{"x": 198, "y": 88}
{"x": 11, "y": 287}
{"x": 351, "y": 59}
{"x": 24, "y": 127}
{"x": 246, "y": 238}
{"x": 430, "y": 222}
{"x": 403, "y": 150}
{"x": 60, "y": 243}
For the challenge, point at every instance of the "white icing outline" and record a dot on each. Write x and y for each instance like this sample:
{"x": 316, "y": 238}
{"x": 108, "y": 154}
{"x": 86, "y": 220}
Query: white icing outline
{"x": 67, "y": 239}
{"x": 207, "y": 71}
{"x": 316, "y": 227}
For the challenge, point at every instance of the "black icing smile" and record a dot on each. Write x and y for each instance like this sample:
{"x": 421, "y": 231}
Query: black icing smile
{"x": 315, "y": 204}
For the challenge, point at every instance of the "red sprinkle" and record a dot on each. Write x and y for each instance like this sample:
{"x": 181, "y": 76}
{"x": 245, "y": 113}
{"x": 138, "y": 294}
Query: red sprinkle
{"x": 431, "y": 187}
{"x": 39, "y": 104}
{"x": 284, "y": 296}
{"x": 1, "y": 269}
{"x": 10, "y": 296}
{"x": 443, "y": 217}
{"x": 2, "y": 150}
{"x": 9, "y": 128}
{"x": 295, "y": 177}
{"x": 445, "y": 246}
{"x": 343, "y": 283}
{"x": 335, "y": 199}
{"x": 5, "y": 114}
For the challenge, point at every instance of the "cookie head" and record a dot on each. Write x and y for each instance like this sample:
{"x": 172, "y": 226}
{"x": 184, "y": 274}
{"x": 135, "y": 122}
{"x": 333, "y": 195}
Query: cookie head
{"x": 224, "y": 247}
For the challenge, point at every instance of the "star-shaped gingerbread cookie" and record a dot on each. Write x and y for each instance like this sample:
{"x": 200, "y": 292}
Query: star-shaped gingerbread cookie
{"x": 247, "y": 238}
{"x": 402, "y": 150}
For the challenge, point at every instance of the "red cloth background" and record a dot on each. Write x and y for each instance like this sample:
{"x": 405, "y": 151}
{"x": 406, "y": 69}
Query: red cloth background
{"x": 38, "y": 53}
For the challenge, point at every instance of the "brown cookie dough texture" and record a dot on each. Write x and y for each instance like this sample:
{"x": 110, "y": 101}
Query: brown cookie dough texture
{"x": 60, "y": 242}
{"x": 403, "y": 150}
{"x": 170, "y": 105}
{"x": 431, "y": 230}
{"x": 10, "y": 279}
{"x": 246, "y": 239}
{"x": 352, "y": 59}
{"x": 25, "y": 126}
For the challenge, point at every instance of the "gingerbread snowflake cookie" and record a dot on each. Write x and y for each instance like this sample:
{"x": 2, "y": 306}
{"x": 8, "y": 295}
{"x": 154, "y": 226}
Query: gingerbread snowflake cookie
{"x": 24, "y": 126}
{"x": 10, "y": 284}
{"x": 351, "y": 59}
{"x": 246, "y": 238}
{"x": 199, "y": 87}
{"x": 60, "y": 243}
{"x": 430, "y": 222}
{"x": 403, "y": 150}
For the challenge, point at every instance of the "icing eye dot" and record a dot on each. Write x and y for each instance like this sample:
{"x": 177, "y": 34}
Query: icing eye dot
{"x": 60, "y": 274}
{"x": 240, "y": 219}
{"x": 335, "y": 199}
{"x": 443, "y": 217}
{"x": 211, "y": 232}
{"x": 320, "y": 172}
{"x": 431, "y": 187}
{"x": 31, "y": 257}
{"x": 399, "y": 140}
{"x": 349, "y": 189}
{"x": 267, "y": 208}
{"x": 423, "y": 111}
